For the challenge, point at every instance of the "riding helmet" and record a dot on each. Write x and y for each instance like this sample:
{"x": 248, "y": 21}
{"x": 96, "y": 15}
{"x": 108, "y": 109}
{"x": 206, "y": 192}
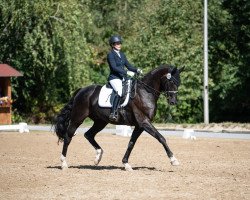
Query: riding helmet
{"x": 115, "y": 38}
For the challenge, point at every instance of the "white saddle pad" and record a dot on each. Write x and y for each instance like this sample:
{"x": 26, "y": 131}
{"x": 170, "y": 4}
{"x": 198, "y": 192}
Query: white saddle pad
{"x": 107, "y": 95}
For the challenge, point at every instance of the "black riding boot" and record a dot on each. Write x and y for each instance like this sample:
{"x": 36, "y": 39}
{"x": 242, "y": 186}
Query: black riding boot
{"x": 113, "y": 115}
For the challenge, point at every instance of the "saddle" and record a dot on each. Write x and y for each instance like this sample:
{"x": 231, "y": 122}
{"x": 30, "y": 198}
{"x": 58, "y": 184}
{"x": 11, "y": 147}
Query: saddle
{"x": 107, "y": 95}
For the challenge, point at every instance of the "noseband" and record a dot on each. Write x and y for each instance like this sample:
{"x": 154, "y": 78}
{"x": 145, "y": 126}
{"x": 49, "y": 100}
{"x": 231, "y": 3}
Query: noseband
{"x": 169, "y": 78}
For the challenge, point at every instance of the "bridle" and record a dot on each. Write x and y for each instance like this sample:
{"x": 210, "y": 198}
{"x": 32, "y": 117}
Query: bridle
{"x": 169, "y": 78}
{"x": 166, "y": 92}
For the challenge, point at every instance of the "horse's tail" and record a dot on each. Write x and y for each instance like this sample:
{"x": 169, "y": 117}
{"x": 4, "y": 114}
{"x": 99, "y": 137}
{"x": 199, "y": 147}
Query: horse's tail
{"x": 62, "y": 120}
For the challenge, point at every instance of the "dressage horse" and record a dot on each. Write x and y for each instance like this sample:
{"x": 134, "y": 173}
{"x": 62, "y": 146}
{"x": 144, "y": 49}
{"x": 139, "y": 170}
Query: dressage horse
{"x": 139, "y": 112}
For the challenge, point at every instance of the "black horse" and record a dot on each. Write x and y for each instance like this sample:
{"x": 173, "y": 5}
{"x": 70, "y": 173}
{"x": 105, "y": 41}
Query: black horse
{"x": 139, "y": 112}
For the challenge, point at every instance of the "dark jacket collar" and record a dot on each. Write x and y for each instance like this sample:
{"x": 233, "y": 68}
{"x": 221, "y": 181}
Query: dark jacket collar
{"x": 114, "y": 52}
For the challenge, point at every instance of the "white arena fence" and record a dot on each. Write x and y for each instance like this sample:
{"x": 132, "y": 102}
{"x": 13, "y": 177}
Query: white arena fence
{"x": 21, "y": 127}
{"x": 126, "y": 131}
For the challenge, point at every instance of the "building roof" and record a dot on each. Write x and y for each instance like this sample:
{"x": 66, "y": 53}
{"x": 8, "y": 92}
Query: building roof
{"x": 8, "y": 71}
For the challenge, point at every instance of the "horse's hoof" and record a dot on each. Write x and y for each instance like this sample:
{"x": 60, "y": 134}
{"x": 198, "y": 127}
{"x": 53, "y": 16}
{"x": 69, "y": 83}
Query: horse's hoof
{"x": 98, "y": 156}
{"x": 64, "y": 163}
{"x": 64, "y": 166}
{"x": 128, "y": 167}
{"x": 174, "y": 161}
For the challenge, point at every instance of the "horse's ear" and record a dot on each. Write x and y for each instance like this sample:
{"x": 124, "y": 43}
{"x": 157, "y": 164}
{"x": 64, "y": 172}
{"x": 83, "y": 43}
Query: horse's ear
{"x": 174, "y": 70}
{"x": 181, "y": 69}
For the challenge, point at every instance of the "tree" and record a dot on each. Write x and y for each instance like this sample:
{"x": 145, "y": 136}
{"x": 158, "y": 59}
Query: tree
{"x": 170, "y": 32}
{"x": 230, "y": 56}
{"x": 60, "y": 46}
{"x": 41, "y": 39}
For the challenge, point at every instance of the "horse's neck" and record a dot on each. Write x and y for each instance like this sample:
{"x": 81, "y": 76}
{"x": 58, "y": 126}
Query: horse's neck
{"x": 149, "y": 90}
{"x": 146, "y": 100}
{"x": 153, "y": 82}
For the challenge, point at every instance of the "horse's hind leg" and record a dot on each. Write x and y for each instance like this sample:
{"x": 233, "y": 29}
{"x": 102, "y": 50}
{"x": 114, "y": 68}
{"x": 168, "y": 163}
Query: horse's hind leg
{"x": 67, "y": 139}
{"x": 90, "y": 136}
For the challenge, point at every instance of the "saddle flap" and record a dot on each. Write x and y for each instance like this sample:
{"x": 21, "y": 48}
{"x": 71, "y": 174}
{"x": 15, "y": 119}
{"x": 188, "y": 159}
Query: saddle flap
{"x": 107, "y": 95}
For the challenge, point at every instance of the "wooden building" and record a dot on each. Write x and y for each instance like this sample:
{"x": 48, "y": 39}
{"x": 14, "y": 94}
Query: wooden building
{"x": 6, "y": 72}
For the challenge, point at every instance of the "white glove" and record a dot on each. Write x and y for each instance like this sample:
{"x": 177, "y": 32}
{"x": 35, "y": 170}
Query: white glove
{"x": 130, "y": 73}
{"x": 139, "y": 71}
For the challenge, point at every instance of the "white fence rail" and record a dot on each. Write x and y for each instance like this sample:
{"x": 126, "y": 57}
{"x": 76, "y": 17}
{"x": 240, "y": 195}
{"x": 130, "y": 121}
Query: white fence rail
{"x": 21, "y": 127}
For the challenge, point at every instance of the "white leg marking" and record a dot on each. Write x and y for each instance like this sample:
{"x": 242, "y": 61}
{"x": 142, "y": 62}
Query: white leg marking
{"x": 64, "y": 163}
{"x": 98, "y": 156}
{"x": 128, "y": 167}
{"x": 174, "y": 161}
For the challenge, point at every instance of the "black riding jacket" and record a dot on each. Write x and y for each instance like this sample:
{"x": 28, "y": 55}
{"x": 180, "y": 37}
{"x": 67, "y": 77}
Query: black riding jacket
{"x": 116, "y": 65}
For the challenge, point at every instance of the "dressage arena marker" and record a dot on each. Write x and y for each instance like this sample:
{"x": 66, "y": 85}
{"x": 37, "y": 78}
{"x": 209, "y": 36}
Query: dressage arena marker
{"x": 123, "y": 130}
{"x": 21, "y": 127}
{"x": 188, "y": 134}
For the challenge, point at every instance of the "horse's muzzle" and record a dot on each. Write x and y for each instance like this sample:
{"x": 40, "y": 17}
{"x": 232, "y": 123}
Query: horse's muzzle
{"x": 172, "y": 102}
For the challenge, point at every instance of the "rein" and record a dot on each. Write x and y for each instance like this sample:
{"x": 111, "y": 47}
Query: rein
{"x": 156, "y": 91}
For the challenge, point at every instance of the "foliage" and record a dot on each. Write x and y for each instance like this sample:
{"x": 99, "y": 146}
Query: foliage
{"x": 62, "y": 45}
{"x": 155, "y": 33}
{"x": 229, "y": 60}
{"x": 41, "y": 39}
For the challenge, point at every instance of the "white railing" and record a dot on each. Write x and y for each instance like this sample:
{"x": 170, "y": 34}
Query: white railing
{"x": 123, "y": 130}
{"x": 21, "y": 127}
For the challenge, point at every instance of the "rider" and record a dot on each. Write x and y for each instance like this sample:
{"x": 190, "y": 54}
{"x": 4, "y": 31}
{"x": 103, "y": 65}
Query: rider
{"x": 117, "y": 60}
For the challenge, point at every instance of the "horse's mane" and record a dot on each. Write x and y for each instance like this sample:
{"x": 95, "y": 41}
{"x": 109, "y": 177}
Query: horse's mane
{"x": 158, "y": 72}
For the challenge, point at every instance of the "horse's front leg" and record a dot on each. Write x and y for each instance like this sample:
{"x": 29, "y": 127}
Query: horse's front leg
{"x": 148, "y": 127}
{"x": 136, "y": 133}
{"x": 90, "y": 136}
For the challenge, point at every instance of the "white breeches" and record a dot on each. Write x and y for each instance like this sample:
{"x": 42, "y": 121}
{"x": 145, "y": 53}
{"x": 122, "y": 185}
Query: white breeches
{"x": 117, "y": 86}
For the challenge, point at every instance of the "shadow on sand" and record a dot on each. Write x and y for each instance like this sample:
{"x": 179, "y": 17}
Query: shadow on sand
{"x": 110, "y": 167}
